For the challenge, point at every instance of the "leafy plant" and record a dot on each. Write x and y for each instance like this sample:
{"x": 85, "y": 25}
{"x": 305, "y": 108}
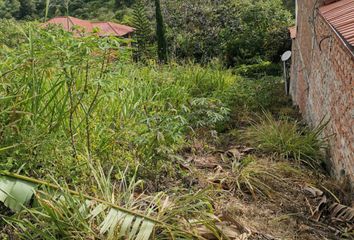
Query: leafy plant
{"x": 248, "y": 96}
{"x": 207, "y": 113}
{"x": 15, "y": 194}
{"x": 257, "y": 70}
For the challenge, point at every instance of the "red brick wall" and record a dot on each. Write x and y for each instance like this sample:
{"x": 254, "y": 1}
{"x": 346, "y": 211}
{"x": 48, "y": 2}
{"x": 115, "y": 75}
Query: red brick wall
{"x": 322, "y": 84}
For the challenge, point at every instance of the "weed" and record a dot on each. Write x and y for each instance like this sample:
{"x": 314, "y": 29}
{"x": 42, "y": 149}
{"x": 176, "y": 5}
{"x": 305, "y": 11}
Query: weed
{"x": 253, "y": 176}
{"x": 287, "y": 139}
{"x": 248, "y": 96}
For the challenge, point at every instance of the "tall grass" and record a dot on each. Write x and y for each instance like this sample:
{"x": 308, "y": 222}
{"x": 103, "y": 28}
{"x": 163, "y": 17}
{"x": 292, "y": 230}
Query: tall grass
{"x": 63, "y": 97}
{"x": 287, "y": 139}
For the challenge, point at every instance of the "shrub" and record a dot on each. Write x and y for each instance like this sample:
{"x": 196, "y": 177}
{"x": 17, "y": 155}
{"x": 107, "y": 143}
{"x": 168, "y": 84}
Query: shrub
{"x": 113, "y": 211}
{"x": 287, "y": 139}
{"x": 265, "y": 68}
{"x": 247, "y": 96}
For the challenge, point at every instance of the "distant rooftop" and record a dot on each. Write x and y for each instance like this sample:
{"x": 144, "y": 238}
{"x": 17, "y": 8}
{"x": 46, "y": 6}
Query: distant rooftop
{"x": 82, "y": 27}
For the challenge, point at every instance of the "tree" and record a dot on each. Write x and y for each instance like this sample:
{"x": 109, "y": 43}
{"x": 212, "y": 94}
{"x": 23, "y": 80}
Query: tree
{"x": 290, "y": 5}
{"x": 9, "y": 8}
{"x": 141, "y": 23}
{"x": 196, "y": 29}
{"x": 123, "y": 3}
{"x": 160, "y": 33}
{"x": 262, "y": 35}
{"x": 27, "y": 9}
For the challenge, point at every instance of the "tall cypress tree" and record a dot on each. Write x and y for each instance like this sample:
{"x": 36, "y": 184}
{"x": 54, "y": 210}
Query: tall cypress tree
{"x": 160, "y": 33}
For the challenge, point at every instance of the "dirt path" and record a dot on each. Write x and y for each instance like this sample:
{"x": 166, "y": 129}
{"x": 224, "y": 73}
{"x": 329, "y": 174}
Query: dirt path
{"x": 268, "y": 197}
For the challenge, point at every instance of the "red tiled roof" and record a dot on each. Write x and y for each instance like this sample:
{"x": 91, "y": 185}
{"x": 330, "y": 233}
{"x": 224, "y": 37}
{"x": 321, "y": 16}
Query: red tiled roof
{"x": 81, "y": 27}
{"x": 112, "y": 29}
{"x": 293, "y": 32}
{"x": 340, "y": 15}
{"x": 121, "y": 29}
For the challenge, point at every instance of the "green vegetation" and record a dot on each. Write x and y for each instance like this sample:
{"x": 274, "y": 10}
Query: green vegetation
{"x": 235, "y": 31}
{"x": 253, "y": 176}
{"x": 62, "y": 88}
{"x": 286, "y": 138}
{"x": 69, "y": 104}
{"x": 99, "y": 140}
{"x": 115, "y": 211}
{"x": 143, "y": 33}
{"x": 160, "y": 34}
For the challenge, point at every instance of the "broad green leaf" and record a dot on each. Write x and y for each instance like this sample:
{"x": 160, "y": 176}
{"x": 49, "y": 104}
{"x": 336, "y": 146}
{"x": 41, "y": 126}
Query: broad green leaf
{"x": 126, "y": 225}
{"x": 85, "y": 206}
{"x": 97, "y": 210}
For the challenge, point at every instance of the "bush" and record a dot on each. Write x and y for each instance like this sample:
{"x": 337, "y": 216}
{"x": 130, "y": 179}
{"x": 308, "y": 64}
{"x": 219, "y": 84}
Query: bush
{"x": 247, "y": 96}
{"x": 287, "y": 139}
{"x": 265, "y": 68}
{"x": 237, "y": 31}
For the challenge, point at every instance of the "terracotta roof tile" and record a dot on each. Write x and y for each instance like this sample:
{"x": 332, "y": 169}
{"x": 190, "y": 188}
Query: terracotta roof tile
{"x": 340, "y": 15}
{"x": 86, "y": 27}
{"x": 121, "y": 29}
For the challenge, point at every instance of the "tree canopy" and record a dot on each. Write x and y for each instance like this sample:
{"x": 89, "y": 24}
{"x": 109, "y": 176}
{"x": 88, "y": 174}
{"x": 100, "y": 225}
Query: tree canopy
{"x": 236, "y": 31}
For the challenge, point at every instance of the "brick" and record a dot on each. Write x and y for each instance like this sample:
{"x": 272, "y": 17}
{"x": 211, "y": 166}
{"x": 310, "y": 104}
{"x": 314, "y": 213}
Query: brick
{"x": 329, "y": 86}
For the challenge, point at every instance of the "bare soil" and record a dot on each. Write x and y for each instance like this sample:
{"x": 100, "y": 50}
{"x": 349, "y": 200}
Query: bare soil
{"x": 298, "y": 205}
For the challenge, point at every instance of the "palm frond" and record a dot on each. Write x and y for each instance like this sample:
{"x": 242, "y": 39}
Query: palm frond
{"x": 15, "y": 192}
{"x": 79, "y": 216}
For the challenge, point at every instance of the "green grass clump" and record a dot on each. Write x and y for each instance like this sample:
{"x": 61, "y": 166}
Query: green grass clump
{"x": 287, "y": 139}
{"x": 253, "y": 176}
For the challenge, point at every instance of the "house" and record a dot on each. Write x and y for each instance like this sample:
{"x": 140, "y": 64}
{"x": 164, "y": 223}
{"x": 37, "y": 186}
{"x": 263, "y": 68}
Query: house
{"x": 322, "y": 74}
{"x": 82, "y": 27}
